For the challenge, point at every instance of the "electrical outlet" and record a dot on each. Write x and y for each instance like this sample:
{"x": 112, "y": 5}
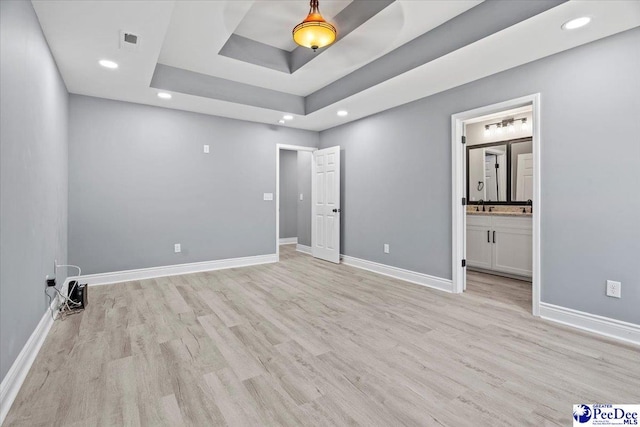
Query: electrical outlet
{"x": 614, "y": 289}
{"x": 267, "y": 196}
{"x": 386, "y": 248}
{"x": 206, "y": 149}
{"x": 301, "y": 196}
{"x": 177, "y": 248}
{"x": 50, "y": 281}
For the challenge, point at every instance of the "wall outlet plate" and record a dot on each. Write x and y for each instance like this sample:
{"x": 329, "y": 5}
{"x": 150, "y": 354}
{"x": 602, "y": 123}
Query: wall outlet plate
{"x": 267, "y": 196}
{"x": 614, "y": 289}
{"x": 205, "y": 149}
{"x": 177, "y": 248}
{"x": 386, "y": 248}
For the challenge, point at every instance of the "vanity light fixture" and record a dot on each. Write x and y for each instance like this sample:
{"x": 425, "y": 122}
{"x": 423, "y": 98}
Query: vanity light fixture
{"x": 507, "y": 125}
{"x": 314, "y": 32}
{"x": 576, "y": 23}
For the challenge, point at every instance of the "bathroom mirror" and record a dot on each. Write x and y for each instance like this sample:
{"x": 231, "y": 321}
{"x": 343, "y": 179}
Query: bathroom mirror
{"x": 500, "y": 172}
{"x": 522, "y": 171}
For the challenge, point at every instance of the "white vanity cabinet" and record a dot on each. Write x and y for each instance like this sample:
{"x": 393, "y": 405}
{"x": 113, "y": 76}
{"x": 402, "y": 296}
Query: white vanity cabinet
{"x": 500, "y": 243}
{"x": 479, "y": 241}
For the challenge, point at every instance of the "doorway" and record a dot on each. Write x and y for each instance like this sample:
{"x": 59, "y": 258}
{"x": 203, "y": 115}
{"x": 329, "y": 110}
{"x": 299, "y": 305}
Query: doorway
{"x": 488, "y": 176}
{"x": 293, "y": 196}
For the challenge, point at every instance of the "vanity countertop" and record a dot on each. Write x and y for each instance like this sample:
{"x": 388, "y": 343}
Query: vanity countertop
{"x": 500, "y": 210}
{"x": 498, "y": 213}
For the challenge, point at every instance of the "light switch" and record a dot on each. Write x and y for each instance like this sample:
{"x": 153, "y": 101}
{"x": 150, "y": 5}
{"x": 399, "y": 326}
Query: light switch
{"x": 268, "y": 196}
{"x": 177, "y": 248}
{"x": 386, "y": 248}
{"x": 301, "y": 196}
{"x": 206, "y": 149}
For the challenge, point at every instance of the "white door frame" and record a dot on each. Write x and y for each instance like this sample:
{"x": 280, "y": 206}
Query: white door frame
{"x": 278, "y": 148}
{"x": 459, "y": 185}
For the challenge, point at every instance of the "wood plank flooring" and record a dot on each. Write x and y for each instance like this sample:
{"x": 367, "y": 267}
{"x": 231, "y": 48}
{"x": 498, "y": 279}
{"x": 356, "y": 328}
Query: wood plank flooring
{"x": 305, "y": 342}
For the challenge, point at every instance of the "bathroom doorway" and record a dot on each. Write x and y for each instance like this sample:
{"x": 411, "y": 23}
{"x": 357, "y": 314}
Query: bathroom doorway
{"x": 496, "y": 216}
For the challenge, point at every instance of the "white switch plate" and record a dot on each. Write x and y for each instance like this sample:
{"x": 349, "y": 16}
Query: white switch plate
{"x": 614, "y": 289}
{"x": 301, "y": 196}
{"x": 267, "y": 196}
{"x": 177, "y": 248}
{"x": 206, "y": 149}
{"x": 386, "y": 248}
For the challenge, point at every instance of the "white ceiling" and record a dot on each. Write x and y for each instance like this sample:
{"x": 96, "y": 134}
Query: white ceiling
{"x": 189, "y": 34}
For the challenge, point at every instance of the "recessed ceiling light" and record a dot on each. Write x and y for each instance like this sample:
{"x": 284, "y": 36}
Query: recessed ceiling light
{"x": 288, "y": 117}
{"x": 576, "y": 23}
{"x": 343, "y": 113}
{"x": 281, "y": 121}
{"x": 108, "y": 64}
{"x": 164, "y": 95}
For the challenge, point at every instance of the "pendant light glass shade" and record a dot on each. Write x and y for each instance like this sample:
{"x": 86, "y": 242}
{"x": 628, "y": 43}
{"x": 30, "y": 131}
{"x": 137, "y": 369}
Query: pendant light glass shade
{"x": 314, "y": 32}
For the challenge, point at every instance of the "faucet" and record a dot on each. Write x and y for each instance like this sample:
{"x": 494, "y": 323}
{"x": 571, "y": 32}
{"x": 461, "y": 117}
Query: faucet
{"x": 530, "y": 203}
{"x": 482, "y": 203}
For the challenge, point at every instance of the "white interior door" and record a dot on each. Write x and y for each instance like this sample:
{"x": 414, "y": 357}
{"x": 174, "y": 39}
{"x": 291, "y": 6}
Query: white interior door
{"x": 490, "y": 182}
{"x": 524, "y": 180}
{"x": 502, "y": 177}
{"x": 325, "y": 204}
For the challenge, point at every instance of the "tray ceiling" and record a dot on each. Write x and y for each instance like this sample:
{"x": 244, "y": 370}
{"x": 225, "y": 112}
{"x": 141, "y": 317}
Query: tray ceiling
{"x": 387, "y": 53}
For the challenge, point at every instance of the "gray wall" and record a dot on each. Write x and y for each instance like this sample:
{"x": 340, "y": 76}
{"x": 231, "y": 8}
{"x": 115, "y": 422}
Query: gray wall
{"x": 304, "y": 205}
{"x": 33, "y": 175}
{"x": 139, "y": 183}
{"x": 288, "y": 193}
{"x": 396, "y": 182}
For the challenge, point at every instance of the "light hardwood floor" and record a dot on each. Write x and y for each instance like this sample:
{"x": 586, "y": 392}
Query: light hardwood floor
{"x": 305, "y": 342}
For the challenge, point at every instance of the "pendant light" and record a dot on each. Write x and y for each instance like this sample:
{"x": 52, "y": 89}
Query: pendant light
{"x": 314, "y": 32}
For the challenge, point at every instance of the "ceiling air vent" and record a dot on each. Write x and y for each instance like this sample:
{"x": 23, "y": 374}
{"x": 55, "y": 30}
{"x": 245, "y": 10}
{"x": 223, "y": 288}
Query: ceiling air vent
{"x": 129, "y": 41}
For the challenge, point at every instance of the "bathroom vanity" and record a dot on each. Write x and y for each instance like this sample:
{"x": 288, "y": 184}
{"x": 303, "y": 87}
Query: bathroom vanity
{"x": 500, "y": 241}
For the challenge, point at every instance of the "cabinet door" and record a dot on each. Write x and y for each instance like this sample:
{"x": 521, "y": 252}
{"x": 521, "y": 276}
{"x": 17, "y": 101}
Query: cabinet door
{"x": 512, "y": 250}
{"x": 478, "y": 241}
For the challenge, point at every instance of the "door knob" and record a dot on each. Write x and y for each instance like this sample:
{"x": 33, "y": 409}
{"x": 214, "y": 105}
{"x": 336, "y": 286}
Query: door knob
{"x": 336, "y": 210}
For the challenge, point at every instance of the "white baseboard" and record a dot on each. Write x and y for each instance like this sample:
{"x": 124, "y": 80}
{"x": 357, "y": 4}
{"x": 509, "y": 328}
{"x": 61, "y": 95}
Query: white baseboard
{"x": 399, "y": 273}
{"x": 606, "y": 326}
{"x": 174, "y": 270}
{"x": 16, "y": 375}
{"x": 288, "y": 240}
{"x": 303, "y": 248}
